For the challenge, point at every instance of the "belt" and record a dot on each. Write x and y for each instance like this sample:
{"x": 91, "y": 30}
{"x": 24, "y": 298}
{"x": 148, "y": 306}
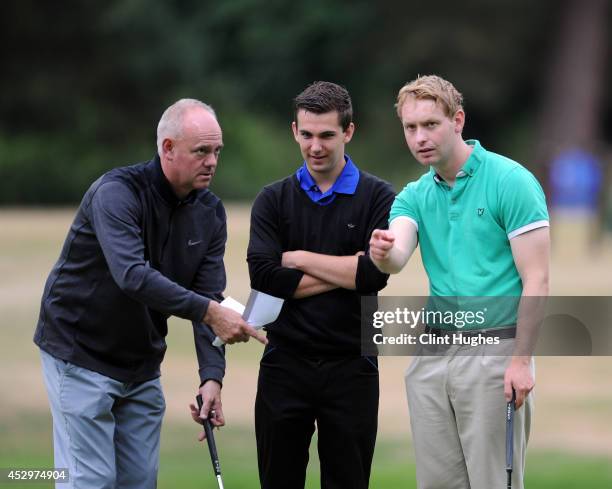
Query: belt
{"x": 501, "y": 333}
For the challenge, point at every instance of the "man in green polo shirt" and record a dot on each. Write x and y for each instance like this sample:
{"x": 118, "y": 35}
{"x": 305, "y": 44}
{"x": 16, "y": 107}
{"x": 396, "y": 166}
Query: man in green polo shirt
{"x": 482, "y": 225}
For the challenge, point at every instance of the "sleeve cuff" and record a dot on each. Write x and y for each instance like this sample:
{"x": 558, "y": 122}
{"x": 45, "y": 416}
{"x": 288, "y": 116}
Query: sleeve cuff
{"x": 200, "y": 308}
{"x": 283, "y": 284}
{"x": 410, "y": 219}
{"x": 211, "y": 373}
{"x": 369, "y": 279}
{"x": 292, "y": 282}
{"x": 528, "y": 227}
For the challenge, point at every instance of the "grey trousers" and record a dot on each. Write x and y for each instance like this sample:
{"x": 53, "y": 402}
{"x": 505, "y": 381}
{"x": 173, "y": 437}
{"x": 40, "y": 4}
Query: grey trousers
{"x": 457, "y": 416}
{"x": 105, "y": 432}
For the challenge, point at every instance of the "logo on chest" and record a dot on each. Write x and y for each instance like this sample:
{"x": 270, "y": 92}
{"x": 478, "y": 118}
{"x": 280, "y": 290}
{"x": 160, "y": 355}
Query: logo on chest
{"x": 480, "y": 211}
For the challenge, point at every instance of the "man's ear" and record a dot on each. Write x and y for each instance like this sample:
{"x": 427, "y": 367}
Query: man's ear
{"x": 167, "y": 149}
{"x": 459, "y": 121}
{"x": 348, "y": 134}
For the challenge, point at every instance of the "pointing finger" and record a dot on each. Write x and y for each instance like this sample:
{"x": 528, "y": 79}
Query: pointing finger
{"x": 251, "y": 331}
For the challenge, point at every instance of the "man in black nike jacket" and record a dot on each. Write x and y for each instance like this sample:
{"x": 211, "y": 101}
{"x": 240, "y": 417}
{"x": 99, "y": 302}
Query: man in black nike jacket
{"x": 147, "y": 242}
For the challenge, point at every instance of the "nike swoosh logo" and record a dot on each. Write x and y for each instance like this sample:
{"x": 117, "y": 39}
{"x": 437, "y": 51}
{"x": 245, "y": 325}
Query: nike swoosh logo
{"x": 350, "y": 226}
{"x": 193, "y": 243}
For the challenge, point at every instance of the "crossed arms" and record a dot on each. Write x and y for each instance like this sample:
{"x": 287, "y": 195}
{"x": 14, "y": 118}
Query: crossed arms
{"x": 322, "y": 273}
{"x": 297, "y": 274}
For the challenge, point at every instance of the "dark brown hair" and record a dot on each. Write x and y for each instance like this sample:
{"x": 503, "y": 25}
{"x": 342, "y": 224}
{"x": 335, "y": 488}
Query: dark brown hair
{"x": 322, "y": 97}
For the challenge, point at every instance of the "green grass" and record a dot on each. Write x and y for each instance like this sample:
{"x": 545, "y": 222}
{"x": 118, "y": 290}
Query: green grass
{"x": 563, "y": 471}
{"x": 30, "y": 243}
{"x": 183, "y": 460}
{"x": 185, "y": 463}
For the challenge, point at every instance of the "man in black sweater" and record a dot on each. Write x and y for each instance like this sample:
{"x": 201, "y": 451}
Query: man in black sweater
{"x": 147, "y": 243}
{"x": 308, "y": 245}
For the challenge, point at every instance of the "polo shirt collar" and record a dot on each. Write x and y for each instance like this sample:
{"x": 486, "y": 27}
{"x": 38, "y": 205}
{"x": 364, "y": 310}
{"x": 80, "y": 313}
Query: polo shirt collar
{"x": 469, "y": 168}
{"x": 476, "y": 158}
{"x": 346, "y": 183}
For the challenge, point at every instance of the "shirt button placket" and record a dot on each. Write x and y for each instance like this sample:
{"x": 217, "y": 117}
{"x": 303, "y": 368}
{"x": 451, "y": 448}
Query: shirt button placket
{"x": 452, "y": 208}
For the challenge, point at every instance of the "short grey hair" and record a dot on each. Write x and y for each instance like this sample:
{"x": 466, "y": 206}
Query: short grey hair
{"x": 171, "y": 122}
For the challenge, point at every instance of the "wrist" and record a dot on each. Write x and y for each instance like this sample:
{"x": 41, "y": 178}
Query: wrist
{"x": 521, "y": 360}
{"x": 206, "y": 381}
{"x": 210, "y": 311}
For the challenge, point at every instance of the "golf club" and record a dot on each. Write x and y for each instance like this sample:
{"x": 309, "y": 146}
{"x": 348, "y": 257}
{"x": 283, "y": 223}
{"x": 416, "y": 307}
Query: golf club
{"x": 212, "y": 447}
{"x": 510, "y": 406}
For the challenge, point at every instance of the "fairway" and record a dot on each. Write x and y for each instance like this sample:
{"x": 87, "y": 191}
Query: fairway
{"x": 572, "y": 431}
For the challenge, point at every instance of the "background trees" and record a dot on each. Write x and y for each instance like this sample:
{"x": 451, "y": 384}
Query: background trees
{"x": 83, "y": 83}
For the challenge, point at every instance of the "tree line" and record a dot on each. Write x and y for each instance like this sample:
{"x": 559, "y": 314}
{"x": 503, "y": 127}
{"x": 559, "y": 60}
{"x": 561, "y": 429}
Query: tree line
{"x": 84, "y": 82}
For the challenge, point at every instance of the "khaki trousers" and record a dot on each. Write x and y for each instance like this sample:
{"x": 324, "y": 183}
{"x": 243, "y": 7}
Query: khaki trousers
{"x": 457, "y": 414}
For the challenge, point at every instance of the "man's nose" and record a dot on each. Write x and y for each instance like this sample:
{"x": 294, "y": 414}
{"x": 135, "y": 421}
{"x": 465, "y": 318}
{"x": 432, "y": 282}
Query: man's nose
{"x": 212, "y": 160}
{"x": 316, "y": 146}
{"x": 421, "y": 136}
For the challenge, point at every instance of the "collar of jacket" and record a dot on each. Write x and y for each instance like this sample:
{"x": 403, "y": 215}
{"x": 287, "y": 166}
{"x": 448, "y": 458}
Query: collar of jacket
{"x": 163, "y": 187}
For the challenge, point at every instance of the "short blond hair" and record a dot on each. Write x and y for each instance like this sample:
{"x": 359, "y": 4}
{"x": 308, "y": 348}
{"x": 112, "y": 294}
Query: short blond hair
{"x": 434, "y": 88}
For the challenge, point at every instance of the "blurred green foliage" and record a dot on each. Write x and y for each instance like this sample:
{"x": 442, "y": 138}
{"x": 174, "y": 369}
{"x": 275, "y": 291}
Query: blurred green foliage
{"x": 83, "y": 82}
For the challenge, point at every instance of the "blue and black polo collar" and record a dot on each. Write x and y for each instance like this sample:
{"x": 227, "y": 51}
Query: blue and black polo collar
{"x": 346, "y": 183}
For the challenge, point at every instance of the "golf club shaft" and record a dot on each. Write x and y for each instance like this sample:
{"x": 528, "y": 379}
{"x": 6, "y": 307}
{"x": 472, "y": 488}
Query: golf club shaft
{"x": 212, "y": 447}
{"x": 510, "y": 407}
{"x": 220, "y": 481}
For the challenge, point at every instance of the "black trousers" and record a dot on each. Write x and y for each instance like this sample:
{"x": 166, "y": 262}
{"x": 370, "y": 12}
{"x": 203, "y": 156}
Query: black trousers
{"x": 340, "y": 395}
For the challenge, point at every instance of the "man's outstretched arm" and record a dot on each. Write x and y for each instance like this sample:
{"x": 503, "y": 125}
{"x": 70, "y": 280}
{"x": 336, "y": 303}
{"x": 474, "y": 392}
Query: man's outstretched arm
{"x": 391, "y": 249}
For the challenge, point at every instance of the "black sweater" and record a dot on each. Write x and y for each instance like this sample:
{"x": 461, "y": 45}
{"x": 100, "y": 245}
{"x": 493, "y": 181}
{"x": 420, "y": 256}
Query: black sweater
{"x": 135, "y": 255}
{"x": 284, "y": 218}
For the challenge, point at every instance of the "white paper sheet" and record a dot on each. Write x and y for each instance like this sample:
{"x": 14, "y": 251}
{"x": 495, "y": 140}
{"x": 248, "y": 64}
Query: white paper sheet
{"x": 233, "y": 304}
{"x": 261, "y": 309}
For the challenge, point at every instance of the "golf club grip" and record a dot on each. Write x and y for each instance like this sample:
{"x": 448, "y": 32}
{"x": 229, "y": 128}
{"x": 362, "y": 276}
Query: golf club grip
{"x": 510, "y": 432}
{"x": 210, "y": 439}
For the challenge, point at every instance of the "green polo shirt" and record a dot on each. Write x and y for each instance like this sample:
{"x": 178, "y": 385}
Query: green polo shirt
{"x": 464, "y": 232}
